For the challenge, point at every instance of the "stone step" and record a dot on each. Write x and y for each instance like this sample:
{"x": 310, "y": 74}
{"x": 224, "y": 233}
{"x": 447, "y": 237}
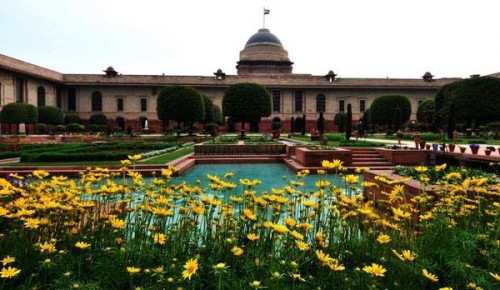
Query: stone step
{"x": 378, "y": 158}
{"x": 371, "y": 163}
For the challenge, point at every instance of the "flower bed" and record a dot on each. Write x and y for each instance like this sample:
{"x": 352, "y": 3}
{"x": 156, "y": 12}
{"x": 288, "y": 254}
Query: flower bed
{"x": 103, "y": 233}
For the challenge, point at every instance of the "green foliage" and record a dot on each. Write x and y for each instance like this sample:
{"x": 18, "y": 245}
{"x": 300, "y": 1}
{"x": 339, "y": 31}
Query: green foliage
{"x": 50, "y": 115}
{"x": 320, "y": 124}
{"x": 246, "y": 102}
{"x": 334, "y": 137}
{"x": 425, "y": 114}
{"x": 18, "y": 113}
{"x": 360, "y": 143}
{"x": 98, "y": 119}
{"x": 41, "y": 128}
{"x": 383, "y": 107}
{"x": 475, "y": 99}
{"x": 75, "y": 127}
{"x": 181, "y": 104}
{"x": 209, "y": 109}
{"x": 340, "y": 121}
{"x": 72, "y": 118}
{"x": 348, "y": 125}
{"x": 217, "y": 114}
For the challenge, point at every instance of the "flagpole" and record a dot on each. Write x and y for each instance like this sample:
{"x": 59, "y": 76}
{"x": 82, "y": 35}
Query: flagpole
{"x": 264, "y": 19}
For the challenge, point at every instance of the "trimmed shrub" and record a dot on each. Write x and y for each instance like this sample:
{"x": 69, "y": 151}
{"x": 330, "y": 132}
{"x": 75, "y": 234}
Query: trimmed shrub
{"x": 74, "y": 127}
{"x": 18, "y": 113}
{"x": 41, "y": 128}
{"x": 50, "y": 115}
{"x": 98, "y": 119}
{"x": 72, "y": 119}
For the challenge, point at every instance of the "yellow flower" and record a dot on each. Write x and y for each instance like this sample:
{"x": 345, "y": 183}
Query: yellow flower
{"x": 408, "y": 255}
{"x": 40, "y": 174}
{"x": 134, "y": 157}
{"x": 420, "y": 169}
{"x": 430, "y": 276}
{"x": 159, "y": 238}
{"x": 440, "y": 167}
{"x": 302, "y": 245}
{"x": 220, "y": 266}
{"x": 249, "y": 214}
{"x": 32, "y": 223}
{"x": 9, "y": 272}
{"x": 445, "y": 288}
{"x": 228, "y": 175}
{"x": 255, "y": 284}
{"x": 297, "y": 235}
{"x": 117, "y": 223}
{"x": 133, "y": 270}
{"x": 237, "y": 251}
{"x": 7, "y": 260}
{"x": 82, "y": 245}
{"x": 383, "y": 239}
{"x": 350, "y": 178}
{"x": 47, "y": 247}
{"x": 335, "y": 266}
{"x": 495, "y": 276}
{"x": 279, "y": 228}
{"x": 361, "y": 169}
{"x": 252, "y": 237}
{"x": 323, "y": 258}
{"x": 375, "y": 270}
{"x": 190, "y": 267}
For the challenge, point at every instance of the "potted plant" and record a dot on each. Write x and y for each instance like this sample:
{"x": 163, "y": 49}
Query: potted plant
{"x": 427, "y": 146}
{"x": 422, "y": 144}
{"x": 489, "y": 149}
{"x": 451, "y": 147}
{"x": 211, "y": 128}
{"x": 435, "y": 146}
{"x": 462, "y": 149}
{"x": 474, "y": 148}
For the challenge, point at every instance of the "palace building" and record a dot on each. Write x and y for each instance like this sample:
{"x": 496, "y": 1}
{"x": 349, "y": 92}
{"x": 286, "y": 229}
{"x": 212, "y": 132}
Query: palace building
{"x": 130, "y": 100}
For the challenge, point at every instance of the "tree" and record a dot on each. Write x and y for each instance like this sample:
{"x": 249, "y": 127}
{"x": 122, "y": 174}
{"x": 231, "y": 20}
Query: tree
{"x": 425, "y": 114}
{"x": 19, "y": 113}
{"x": 451, "y": 122}
{"x": 383, "y": 107}
{"x": 209, "y": 110}
{"x": 397, "y": 124}
{"x": 476, "y": 100}
{"x": 246, "y": 102}
{"x": 50, "y": 115}
{"x": 340, "y": 120}
{"x": 348, "y": 127}
{"x": 320, "y": 123}
{"x": 181, "y": 104}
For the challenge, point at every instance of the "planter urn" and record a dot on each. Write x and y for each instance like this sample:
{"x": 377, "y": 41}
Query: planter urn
{"x": 422, "y": 144}
{"x": 451, "y": 147}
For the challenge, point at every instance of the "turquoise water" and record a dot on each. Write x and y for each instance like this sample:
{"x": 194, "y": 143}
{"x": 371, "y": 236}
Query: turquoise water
{"x": 272, "y": 175}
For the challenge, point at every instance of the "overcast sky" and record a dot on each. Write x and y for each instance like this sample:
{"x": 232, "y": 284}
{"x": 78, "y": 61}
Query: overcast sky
{"x": 355, "y": 38}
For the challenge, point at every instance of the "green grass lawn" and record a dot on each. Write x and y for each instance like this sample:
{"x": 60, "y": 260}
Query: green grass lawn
{"x": 160, "y": 159}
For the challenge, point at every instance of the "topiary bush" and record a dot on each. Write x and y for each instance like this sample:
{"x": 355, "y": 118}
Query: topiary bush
{"x": 72, "y": 119}
{"x": 74, "y": 127}
{"x": 98, "y": 119}
{"x": 41, "y": 128}
{"x": 50, "y": 115}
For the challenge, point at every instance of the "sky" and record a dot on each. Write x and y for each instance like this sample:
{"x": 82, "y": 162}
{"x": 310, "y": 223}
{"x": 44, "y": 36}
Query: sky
{"x": 354, "y": 38}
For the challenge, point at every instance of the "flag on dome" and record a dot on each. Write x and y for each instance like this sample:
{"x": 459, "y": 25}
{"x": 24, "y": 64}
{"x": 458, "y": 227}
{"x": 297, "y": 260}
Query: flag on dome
{"x": 266, "y": 11}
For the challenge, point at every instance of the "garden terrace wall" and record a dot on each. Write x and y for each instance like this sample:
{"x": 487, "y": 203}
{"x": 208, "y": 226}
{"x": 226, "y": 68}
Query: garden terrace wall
{"x": 313, "y": 158}
{"x": 411, "y": 187}
{"x": 404, "y": 157}
{"x": 239, "y": 149}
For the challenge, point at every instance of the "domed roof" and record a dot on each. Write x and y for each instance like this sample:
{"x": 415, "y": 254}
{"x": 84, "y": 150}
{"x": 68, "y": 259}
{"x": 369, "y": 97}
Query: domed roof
{"x": 263, "y": 36}
{"x": 264, "y": 54}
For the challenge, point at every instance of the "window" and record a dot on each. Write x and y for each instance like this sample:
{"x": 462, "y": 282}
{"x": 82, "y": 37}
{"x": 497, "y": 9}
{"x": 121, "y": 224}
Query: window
{"x": 144, "y": 104}
{"x": 299, "y": 100}
{"x": 276, "y": 101}
{"x": 71, "y": 99}
{"x": 362, "y": 105}
{"x": 320, "y": 103}
{"x": 96, "y": 102}
{"x": 20, "y": 90}
{"x": 341, "y": 106}
{"x": 119, "y": 104}
{"x": 40, "y": 96}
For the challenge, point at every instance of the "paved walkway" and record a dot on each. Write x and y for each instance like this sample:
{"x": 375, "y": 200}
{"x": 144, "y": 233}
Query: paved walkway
{"x": 411, "y": 144}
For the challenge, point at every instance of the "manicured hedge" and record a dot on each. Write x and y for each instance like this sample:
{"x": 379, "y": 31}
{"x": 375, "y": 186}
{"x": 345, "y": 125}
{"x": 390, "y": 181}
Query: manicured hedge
{"x": 64, "y": 157}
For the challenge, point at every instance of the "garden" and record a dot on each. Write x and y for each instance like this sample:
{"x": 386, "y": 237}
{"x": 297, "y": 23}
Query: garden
{"x": 122, "y": 231}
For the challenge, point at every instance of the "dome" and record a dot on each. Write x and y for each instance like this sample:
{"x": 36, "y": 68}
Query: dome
{"x": 263, "y": 36}
{"x": 264, "y": 54}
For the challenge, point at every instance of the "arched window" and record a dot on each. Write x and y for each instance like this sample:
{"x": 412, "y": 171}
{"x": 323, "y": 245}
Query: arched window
{"x": 320, "y": 103}
{"x": 96, "y": 102}
{"x": 40, "y": 96}
{"x": 276, "y": 123}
